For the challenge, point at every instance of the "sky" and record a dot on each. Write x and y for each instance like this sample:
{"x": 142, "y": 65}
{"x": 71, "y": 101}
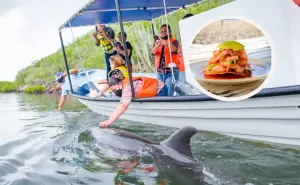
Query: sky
{"x": 29, "y": 31}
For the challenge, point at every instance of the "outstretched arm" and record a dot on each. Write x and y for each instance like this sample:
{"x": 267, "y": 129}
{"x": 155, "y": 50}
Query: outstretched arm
{"x": 63, "y": 76}
{"x": 72, "y": 71}
{"x": 103, "y": 90}
{"x": 121, "y": 108}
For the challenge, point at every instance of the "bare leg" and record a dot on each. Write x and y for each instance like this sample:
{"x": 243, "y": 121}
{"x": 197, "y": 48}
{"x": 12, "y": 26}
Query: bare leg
{"x": 61, "y": 102}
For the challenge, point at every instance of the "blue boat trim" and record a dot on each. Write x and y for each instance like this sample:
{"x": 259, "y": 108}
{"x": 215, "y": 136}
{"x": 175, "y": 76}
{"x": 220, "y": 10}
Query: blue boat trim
{"x": 268, "y": 92}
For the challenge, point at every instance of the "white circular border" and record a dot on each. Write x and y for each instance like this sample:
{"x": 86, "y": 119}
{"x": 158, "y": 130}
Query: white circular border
{"x": 273, "y": 60}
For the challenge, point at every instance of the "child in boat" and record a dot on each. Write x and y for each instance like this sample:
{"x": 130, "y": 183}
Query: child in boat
{"x": 119, "y": 70}
{"x": 120, "y": 49}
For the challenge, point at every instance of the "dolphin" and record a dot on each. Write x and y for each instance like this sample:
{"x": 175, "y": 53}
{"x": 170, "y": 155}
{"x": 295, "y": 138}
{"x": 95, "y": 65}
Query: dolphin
{"x": 173, "y": 156}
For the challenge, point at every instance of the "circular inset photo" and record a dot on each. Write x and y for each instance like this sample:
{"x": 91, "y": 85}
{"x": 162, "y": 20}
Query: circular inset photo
{"x": 230, "y": 58}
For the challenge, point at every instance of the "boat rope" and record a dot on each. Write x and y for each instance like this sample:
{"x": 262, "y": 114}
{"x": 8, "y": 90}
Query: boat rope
{"x": 80, "y": 59}
{"x": 169, "y": 44}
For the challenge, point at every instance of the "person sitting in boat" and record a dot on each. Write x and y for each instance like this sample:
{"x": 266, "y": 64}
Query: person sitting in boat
{"x": 105, "y": 36}
{"x": 118, "y": 69}
{"x": 163, "y": 61}
{"x": 120, "y": 49}
{"x": 143, "y": 87}
{"x": 79, "y": 87}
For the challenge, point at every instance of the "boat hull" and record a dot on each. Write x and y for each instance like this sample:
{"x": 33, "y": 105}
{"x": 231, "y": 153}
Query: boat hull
{"x": 272, "y": 118}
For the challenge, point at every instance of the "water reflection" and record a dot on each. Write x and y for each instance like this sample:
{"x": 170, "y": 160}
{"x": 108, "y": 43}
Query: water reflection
{"x": 39, "y": 145}
{"x": 44, "y": 102}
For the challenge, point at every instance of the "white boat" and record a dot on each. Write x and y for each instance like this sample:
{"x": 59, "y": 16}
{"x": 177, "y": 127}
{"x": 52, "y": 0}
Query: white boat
{"x": 272, "y": 115}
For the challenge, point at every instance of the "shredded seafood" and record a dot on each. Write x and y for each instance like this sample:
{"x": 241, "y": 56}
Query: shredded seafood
{"x": 228, "y": 61}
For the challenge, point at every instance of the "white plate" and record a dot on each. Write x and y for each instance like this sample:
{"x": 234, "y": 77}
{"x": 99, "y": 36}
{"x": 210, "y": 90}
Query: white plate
{"x": 259, "y": 73}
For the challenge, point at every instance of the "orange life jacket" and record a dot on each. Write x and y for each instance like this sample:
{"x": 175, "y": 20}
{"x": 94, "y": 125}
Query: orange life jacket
{"x": 181, "y": 63}
{"x": 149, "y": 87}
{"x": 167, "y": 55}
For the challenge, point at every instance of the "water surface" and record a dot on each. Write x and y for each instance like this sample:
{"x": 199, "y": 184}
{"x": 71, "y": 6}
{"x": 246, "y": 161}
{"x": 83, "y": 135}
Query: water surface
{"x": 41, "y": 146}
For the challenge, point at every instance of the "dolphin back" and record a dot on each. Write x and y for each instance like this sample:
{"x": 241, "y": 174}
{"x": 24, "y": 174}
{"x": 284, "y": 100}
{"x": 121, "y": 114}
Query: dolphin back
{"x": 180, "y": 141}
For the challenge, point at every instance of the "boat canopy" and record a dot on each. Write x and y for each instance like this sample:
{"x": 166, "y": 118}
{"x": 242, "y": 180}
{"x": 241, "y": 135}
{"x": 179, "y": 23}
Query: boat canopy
{"x": 105, "y": 11}
{"x": 112, "y": 11}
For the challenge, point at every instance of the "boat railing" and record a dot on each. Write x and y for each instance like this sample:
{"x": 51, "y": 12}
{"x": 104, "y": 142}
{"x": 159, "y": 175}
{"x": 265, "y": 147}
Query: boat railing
{"x": 268, "y": 92}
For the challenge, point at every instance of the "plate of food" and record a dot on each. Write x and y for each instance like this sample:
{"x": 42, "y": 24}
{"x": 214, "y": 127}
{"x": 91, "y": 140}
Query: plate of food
{"x": 230, "y": 64}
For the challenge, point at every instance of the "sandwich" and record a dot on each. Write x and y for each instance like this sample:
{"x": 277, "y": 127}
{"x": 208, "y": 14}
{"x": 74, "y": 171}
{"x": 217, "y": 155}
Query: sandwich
{"x": 229, "y": 61}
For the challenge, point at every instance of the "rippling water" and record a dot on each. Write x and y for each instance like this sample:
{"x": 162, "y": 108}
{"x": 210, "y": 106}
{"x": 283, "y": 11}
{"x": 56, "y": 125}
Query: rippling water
{"x": 40, "y": 146}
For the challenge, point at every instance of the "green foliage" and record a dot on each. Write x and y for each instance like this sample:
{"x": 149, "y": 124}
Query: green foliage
{"x": 20, "y": 78}
{"x": 138, "y": 33}
{"x": 35, "y": 89}
{"x": 6, "y": 86}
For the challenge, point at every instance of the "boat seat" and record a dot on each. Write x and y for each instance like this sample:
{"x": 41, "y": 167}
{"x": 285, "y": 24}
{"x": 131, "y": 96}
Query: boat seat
{"x": 185, "y": 89}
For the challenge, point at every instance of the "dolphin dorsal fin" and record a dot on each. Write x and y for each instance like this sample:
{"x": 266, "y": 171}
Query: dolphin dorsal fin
{"x": 180, "y": 140}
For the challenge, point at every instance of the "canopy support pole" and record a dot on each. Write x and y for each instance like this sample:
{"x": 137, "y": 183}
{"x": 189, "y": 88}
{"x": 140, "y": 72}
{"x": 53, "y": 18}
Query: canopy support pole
{"x": 124, "y": 46}
{"x": 208, "y": 4}
{"x": 153, "y": 32}
{"x": 65, "y": 59}
{"x": 152, "y": 27}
